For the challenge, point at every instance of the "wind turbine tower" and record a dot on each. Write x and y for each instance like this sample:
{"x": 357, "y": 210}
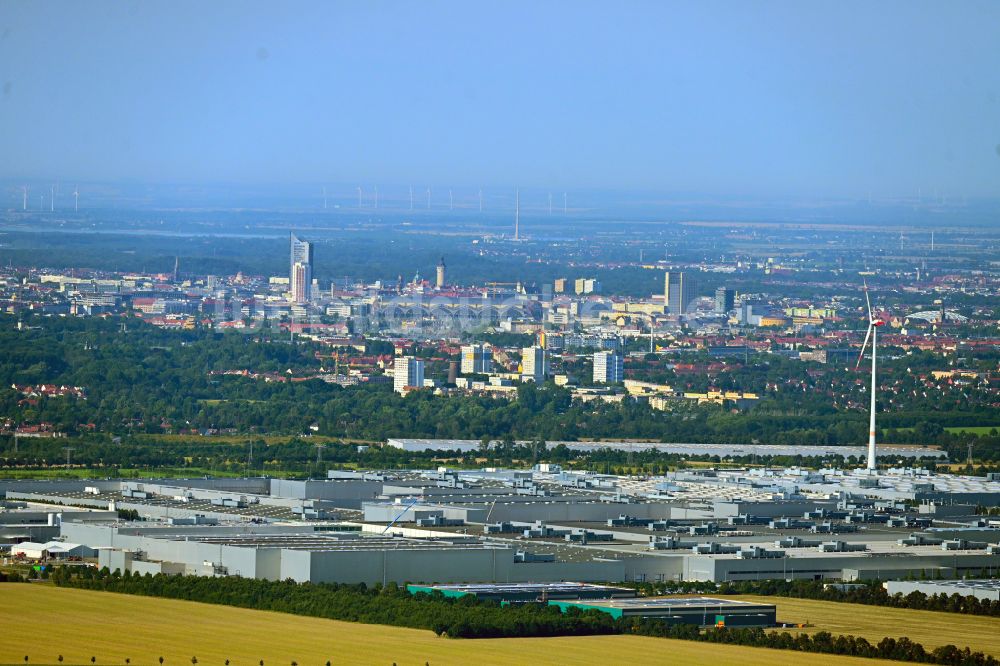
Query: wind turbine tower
{"x": 872, "y": 333}
{"x": 76, "y": 199}
{"x": 411, "y": 197}
{"x": 324, "y": 198}
{"x": 360, "y": 193}
{"x": 24, "y": 203}
{"x": 52, "y": 200}
{"x": 517, "y": 214}
{"x": 428, "y": 198}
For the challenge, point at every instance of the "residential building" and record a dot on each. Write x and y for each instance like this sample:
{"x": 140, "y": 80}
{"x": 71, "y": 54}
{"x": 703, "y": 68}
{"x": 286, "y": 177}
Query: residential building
{"x": 408, "y": 373}
{"x": 608, "y": 368}
{"x": 477, "y": 359}
{"x": 300, "y": 282}
{"x": 534, "y": 364}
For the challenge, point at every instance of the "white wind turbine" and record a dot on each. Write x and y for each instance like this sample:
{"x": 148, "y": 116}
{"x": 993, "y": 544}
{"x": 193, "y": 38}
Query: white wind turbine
{"x": 872, "y": 333}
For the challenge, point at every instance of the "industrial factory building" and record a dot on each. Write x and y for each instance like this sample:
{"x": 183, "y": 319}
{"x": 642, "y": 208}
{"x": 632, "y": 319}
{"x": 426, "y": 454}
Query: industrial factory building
{"x": 540, "y": 525}
{"x": 528, "y": 592}
{"x": 985, "y": 590}
{"x": 701, "y": 611}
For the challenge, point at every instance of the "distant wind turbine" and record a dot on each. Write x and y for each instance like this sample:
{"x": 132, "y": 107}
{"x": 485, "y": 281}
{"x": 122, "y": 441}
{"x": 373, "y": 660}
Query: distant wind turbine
{"x": 76, "y": 199}
{"x": 428, "y": 198}
{"x": 872, "y": 333}
{"x": 324, "y": 198}
{"x": 411, "y": 197}
{"x": 517, "y": 214}
{"x": 360, "y": 194}
{"x": 24, "y": 191}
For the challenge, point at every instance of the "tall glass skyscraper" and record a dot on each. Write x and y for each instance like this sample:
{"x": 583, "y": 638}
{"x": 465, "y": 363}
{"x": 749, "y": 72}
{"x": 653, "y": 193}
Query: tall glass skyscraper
{"x": 300, "y": 269}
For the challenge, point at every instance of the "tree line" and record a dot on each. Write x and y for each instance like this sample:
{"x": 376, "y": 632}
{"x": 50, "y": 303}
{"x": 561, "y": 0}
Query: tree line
{"x": 468, "y": 617}
{"x": 869, "y": 593}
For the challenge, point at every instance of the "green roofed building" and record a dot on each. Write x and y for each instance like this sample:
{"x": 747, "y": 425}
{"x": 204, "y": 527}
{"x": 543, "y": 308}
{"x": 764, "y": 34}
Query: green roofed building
{"x": 523, "y": 593}
{"x": 702, "y": 611}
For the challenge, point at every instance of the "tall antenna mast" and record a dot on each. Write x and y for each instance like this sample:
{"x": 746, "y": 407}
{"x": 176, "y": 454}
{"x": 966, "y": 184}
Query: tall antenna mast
{"x": 517, "y": 214}
{"x": 932, "y": 240}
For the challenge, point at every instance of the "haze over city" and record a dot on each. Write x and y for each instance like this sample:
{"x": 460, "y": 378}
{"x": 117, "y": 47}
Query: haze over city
{"x": 771, "y": 99}
{"x": 499, "y": 333}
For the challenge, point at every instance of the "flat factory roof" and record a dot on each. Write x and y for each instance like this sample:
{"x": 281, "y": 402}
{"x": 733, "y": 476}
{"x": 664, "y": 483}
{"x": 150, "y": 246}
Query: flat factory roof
{"x": 518, "y": 588}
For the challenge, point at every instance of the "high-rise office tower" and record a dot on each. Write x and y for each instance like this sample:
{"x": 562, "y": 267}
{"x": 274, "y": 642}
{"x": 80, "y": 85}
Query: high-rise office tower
{"x": 678, "y": 291}
{"x": 407, "y": 373}
{"x": 477, "y": 359}
{"x": 300, "y": 282}
{"x": 534, "y": 364}
{"x": 439, "y": 283}
{"x": 725, "y": 300}
{"x": 301, "y": 253}
{"x": 609, "y": 368}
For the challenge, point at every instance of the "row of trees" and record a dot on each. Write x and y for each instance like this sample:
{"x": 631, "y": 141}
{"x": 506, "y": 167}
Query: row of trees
{"x": 872, "y": 594}
{"x": 869, "y": 593}
{"x": 898, "y": 649}
{"x": 297, "y": 456}
{"x": 467, "y": 617}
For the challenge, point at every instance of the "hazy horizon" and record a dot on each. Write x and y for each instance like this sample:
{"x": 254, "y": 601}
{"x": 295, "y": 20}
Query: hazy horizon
{"x": 771, "y": 101}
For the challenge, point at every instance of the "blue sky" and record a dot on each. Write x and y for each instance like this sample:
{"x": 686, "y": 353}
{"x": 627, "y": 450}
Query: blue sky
{"x": 719, "y": 98}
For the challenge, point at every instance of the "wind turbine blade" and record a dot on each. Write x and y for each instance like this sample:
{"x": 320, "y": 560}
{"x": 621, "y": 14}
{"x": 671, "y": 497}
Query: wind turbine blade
{"x": 868, "y": 302}
{"x": 864, "y": 345}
